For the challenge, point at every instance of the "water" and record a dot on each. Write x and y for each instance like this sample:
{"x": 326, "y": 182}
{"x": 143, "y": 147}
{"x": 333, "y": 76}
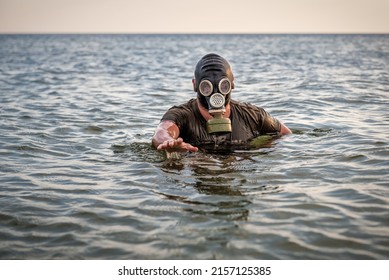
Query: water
{"x": 79, "y": 179}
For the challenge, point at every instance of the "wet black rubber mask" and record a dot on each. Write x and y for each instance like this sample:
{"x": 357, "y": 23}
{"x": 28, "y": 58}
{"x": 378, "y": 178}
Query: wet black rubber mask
{"x": 217, "y": 73}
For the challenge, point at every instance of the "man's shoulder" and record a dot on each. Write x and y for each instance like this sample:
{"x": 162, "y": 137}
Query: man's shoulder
{"x": 180, "y": 112}
{"x": 245, "y": 106}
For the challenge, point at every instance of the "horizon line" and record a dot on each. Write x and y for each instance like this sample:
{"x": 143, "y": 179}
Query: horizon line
{"x": 194, "y": 33}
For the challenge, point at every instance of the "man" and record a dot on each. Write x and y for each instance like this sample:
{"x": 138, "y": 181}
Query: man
{"x": 213, "y": 119}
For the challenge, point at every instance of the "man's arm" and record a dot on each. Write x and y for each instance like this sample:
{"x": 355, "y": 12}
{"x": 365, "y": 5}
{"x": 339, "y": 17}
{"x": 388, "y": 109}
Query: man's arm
{"x": 166, "y": 138}
{"x": 285, "y": 129}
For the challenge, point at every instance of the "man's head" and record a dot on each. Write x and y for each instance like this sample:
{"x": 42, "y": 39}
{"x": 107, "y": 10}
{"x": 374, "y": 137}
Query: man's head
{"x": 213, "y": 82}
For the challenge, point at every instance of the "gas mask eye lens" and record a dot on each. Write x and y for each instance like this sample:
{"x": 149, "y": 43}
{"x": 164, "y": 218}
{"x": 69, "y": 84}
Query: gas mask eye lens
{"x": 206, "y": 87}
{"x": 225, "y": 86}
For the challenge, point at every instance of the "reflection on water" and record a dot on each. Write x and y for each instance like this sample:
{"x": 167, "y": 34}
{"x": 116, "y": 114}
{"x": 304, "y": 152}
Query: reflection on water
{"x": 80, "y": 179}
{"x": 222, "y": 176}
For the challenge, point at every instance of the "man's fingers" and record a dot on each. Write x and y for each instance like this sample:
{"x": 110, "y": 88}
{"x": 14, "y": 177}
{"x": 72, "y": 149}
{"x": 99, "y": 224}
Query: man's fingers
{"x": 192, "y": 149}
{"x": 176, "y": 145}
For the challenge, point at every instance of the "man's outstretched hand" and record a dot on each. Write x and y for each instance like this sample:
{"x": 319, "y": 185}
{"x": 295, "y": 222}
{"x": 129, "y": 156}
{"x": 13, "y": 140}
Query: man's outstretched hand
{"x": 176, "y": 145}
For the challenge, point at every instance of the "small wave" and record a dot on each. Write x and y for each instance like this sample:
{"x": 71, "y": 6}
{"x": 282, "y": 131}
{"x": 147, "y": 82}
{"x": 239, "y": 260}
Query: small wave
{"x": 138, "y": 151}
{"x": 94, "y": 129}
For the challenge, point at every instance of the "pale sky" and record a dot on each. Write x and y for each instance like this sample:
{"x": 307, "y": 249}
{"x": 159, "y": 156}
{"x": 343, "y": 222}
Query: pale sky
{"x": 188, "y": 16}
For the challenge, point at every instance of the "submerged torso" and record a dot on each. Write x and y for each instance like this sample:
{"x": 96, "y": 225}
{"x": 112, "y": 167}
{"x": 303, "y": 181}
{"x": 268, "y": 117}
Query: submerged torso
{"x": 247, "y": 121}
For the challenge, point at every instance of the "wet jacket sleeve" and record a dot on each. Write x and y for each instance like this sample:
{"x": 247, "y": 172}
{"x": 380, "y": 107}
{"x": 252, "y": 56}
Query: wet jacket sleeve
{"x": 176, "y": 114}
{"x": 268, "y": 123}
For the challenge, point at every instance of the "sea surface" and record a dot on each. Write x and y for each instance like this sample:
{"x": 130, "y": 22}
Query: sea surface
{"x": 79, "y": 178}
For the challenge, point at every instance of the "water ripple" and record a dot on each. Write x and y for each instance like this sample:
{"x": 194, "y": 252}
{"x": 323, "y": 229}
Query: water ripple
{"x": 82, "y": 181}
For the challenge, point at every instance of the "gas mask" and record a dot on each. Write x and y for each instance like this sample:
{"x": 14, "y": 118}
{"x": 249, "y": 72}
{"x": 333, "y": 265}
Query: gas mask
{"x": 214, "y": 82}
{"x": 215, "y": 97}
